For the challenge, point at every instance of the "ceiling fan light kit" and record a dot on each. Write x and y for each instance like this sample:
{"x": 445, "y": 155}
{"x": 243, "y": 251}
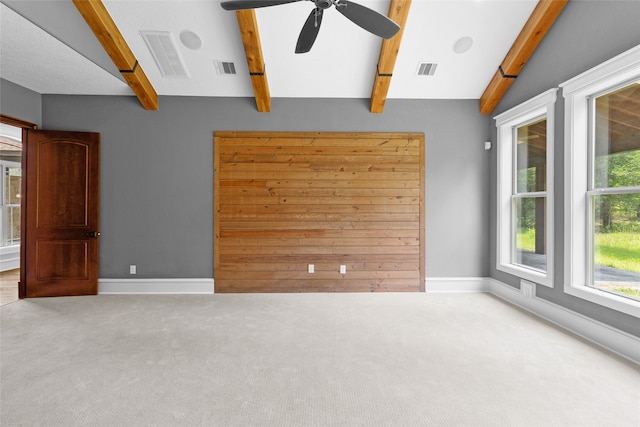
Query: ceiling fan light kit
{"x": 366, "y": 18}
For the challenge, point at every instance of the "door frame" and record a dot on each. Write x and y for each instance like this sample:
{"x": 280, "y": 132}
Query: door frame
{"x": 8, "y": 120}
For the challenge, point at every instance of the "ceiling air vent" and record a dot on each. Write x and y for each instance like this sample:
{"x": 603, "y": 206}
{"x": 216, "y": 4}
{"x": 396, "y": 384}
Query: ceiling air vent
{"x": 163, "y": 48}
{"x": 225, "y": 68}
{"x": 427, "y": 69}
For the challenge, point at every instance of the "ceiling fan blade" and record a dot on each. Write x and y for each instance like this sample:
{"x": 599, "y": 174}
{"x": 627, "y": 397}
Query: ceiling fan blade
{"x": 309, "y": 31}
{"x": 252, "y": 4}
{"x": 368, "y": 19}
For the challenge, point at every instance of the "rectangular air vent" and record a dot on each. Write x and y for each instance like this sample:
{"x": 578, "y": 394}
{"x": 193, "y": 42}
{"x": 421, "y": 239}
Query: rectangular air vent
{"x": 427, "y": 69}
{"x": 225, "y": 68}
{"x": 163, "y": 49}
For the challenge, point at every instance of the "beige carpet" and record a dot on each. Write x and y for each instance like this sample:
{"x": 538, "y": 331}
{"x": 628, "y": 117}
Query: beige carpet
{"x": 303, "y": 360}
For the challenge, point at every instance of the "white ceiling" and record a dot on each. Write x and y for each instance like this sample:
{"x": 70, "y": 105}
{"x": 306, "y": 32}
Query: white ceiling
{"x": 342, "y": 63}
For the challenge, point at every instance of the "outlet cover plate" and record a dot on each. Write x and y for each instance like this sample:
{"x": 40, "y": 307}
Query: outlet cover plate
{"x": 527, "y": 289}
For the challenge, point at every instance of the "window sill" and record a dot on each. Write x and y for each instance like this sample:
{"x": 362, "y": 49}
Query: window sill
{"x": 527, "y": 274}
{"x": 605, "y": 299}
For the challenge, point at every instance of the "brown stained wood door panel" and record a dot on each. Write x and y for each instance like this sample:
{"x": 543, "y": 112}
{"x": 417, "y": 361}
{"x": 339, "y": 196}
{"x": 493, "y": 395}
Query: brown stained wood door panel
{"x": 61, "y": 213}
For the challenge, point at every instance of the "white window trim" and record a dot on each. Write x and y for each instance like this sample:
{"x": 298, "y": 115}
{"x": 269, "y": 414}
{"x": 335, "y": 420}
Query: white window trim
{"x": 576, "y": 92}
{"x": 5, "y": 248}
{"x": 542, "y": 105}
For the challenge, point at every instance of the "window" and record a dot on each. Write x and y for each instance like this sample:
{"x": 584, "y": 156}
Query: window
{"x": 602, "y": 184}
{"x": 10, "y": 186}
{"x": 10, "y": 204}
{"x": 525, "y": 189}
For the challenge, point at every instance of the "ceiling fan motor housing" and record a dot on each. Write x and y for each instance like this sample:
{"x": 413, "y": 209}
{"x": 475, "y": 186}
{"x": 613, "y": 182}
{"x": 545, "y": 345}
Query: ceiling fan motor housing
{"x": 324, "y": 4}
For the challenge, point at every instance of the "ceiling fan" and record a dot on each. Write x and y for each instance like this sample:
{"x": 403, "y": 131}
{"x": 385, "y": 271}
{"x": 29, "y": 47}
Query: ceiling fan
{"x": 366, "y": 18}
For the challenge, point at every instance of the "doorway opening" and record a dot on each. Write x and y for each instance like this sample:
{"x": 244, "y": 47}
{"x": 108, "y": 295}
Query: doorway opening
{"x": 10, "y": 210}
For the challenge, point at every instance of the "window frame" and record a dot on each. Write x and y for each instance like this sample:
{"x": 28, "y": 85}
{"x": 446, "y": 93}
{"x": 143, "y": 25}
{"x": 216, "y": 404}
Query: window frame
{"x": 541, "y": 106}
{"x": 578, "y": 244}
{"x": 4, "y": 208}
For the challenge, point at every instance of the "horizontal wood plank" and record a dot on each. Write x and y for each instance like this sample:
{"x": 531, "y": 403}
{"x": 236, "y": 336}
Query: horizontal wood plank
{"x": 269, "y": 267}
{"x": 240, "y": 157}
{"x": 333, "y": 259}
{"x": 299, "y": 138}
{"x": 326, "y": 285}
{"x": 314, "y": 225}
{"x": 318, "y": 183}
{"x": 319, "y": 250}
{"x": 308, "y": 232}
{"x": 320, "y": 150}
{"x": 339, "y": 165}
{"x": 318, "y": 241}
{"x": 233, "y": 192}
{"x": 250, "y": 276}
{"x": 301, "y": 200}
{"x": 266, "y": 209}
{"x": 322, "y": 216}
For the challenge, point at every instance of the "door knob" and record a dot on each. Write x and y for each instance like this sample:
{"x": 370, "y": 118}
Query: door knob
{"x": 93, "y": 234}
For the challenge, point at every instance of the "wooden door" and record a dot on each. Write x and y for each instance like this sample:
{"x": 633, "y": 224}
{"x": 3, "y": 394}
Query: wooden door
{"x": 60, "y": 213}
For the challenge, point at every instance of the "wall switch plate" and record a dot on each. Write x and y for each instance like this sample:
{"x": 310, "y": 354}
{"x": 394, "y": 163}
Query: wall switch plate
{"x": 487, "y": 145}
{"x": 311, "y": 268}
{"x": 343, "y": 269}
{"x": 132, "y": 269}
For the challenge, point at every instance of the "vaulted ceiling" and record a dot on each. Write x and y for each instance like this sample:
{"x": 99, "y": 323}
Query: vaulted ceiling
{"x": 49, "y": 47}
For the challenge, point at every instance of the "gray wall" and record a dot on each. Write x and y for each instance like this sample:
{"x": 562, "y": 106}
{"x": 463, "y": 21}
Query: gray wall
{"x": 586, "y": 34}
{"x": 20, "y": 103}
{"x": 157, "y": 173}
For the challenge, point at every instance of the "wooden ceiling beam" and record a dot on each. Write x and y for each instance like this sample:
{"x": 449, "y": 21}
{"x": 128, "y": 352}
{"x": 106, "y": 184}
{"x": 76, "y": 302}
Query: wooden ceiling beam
{"x": 398, "y": 12}
{"x": 108, "y": 34}
{"x": 255, "y": 60}
{"x": 102, "y": 25}
{"x": 541, "y": 19}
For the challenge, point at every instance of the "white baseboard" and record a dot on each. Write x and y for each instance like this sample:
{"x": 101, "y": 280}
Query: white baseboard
{"x": 456, "y": 284}
{"x": 9, "y": 264}
{"x": 9, "y": 258}
{"x": 614, "y": 340}
{"x": 155, "y": 286}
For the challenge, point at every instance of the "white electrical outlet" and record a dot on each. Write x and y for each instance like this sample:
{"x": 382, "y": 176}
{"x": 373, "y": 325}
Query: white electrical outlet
{"x": 132, "y": 269}
{"x": 311, "y": 269}
{"x": 343, "y": 269}
{"x": 527, "y": 289}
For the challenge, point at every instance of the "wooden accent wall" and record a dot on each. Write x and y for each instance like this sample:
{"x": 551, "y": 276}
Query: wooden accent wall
{"x": 283, "y": 201}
